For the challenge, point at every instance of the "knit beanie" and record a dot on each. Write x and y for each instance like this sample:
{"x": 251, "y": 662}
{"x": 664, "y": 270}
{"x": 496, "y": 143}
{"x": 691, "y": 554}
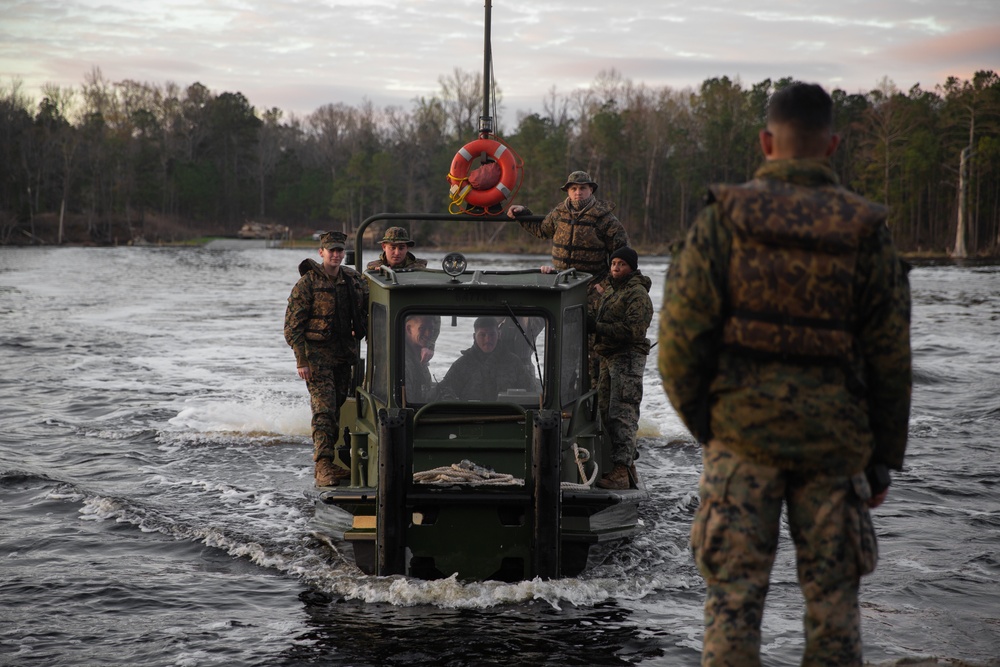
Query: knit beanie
{"x": 627, "y": 255}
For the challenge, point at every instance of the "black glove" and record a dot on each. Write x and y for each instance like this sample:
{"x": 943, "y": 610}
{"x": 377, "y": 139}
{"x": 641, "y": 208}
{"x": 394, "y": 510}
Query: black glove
{"x": 591, "y": 324}
{"x": 878, "y": 478}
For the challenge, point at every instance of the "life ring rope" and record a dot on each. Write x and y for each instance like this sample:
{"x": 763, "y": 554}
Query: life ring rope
{"x": 465, "y": 198}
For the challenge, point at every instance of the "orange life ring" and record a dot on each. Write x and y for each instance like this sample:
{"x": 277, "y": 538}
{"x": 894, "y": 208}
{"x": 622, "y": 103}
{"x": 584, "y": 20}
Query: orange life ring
{"x": 495, "y": 151}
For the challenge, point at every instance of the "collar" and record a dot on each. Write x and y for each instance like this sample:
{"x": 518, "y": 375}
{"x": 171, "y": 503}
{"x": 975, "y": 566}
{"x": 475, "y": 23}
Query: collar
{"x": 810, "y": 172}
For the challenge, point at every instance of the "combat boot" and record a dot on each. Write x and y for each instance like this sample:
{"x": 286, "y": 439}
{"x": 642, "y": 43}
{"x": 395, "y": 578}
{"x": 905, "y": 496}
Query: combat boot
{"x": 617, "y": 479}
{"x": 330, "y": 474}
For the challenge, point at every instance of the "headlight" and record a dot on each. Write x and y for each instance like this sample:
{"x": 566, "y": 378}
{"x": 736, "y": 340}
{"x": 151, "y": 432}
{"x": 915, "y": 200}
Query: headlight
{"x": 454, "y": 264}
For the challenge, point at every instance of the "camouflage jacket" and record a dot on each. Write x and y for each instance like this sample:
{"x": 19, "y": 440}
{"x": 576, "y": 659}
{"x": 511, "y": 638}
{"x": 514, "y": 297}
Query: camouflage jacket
{"x": 411, "y": 262}
{"x": 792, "y": 413}
{"x": 326, "y": 312}
{"x": 583, "y": 240}
{"x": 623, "y": 316}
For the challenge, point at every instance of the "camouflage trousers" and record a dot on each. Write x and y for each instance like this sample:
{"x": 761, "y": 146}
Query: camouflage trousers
{"x": 619, "y": 393}
{"x": 329, "y": 387}
{"x": 593, "y": 302}
{"x": 734, "y": 538}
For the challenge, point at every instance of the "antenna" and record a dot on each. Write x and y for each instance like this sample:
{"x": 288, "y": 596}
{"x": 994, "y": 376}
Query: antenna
{"x": 486, "y": 120}
{"x": 484, "y": 190}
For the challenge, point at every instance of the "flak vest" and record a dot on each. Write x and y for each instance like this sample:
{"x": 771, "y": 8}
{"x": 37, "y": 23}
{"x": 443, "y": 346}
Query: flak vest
{"x": 791, "y": 270}
{"x": 578, "y": 239}
{"x": 323, "y": 322}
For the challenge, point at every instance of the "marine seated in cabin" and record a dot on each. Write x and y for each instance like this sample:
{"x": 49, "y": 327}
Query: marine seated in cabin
{"x": 421, "y": 336}
{"x": 484, "y": 372}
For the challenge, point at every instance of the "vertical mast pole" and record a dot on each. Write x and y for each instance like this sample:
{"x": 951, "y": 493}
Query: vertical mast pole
{"x": 485, "y": 120}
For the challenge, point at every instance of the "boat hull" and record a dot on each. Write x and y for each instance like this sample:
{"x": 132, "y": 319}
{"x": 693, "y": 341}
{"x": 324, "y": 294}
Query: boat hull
{"x": 483, "y": 534}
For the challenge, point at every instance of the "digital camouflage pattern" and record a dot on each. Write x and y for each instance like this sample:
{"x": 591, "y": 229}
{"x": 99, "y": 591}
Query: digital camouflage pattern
{"x": 622, "y": 316}
{"x": 322, "y": 320}
{"x": 809, "y": 417}
{"x": 734, "y": 538}
{"x": 329, "y": 386}
{"x": 619, "y": 393}
{"x": 622, "y": 319}
{"x": 326, "y": 311}
{"x": 791, "y": 267}
{"x": 331, "y": 240}
{"x": 397, "y": 235}
{"x": 581, "y": 238}
{"x": 787, "y": 429}
{"x": 579, "y": 178}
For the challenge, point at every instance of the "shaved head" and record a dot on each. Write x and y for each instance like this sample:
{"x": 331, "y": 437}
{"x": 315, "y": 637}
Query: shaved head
{"x": 799, "y": 123}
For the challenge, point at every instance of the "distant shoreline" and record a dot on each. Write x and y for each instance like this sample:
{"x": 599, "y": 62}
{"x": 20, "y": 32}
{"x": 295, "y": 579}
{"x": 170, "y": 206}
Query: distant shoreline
{"x": 162, "y": 231}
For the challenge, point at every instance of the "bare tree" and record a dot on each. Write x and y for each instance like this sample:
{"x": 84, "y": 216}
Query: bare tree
{"x": 975, "y": 100}
{"x": 888, "y": 130}
{"x": 462, "y": 96}
{"x": 68, "y": 140}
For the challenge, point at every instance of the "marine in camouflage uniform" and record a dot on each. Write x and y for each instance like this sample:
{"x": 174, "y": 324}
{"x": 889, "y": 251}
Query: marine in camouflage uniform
{"x": 325, "y": 318}
{"x": 421, "y": 332}
{"x": 397, "y": 236}
{"x": 620, "y": 323}
{"x": 784, "y": 346}
{"x": 584, "y": 233}
{"x": 484, "y": 370}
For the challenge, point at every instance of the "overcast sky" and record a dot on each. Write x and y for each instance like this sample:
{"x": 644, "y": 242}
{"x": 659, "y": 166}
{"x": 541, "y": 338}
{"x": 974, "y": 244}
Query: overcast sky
{"x": 300, "y": 54}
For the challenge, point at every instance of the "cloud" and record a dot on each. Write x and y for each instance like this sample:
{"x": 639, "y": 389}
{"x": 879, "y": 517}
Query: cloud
{"x": 300, "y": 54}
{"x": 979, "y": 47}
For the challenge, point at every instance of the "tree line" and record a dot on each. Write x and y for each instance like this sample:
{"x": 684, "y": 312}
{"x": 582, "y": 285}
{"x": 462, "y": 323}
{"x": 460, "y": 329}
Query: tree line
{"x": 115, "y": 156}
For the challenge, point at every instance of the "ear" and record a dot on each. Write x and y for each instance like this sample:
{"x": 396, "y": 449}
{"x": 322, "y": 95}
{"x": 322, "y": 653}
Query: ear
{"x": 831, "y": 147}
{"x": 766, "y": 143}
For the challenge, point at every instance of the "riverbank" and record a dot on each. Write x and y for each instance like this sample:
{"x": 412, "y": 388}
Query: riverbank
{"x": 160, "y": 230}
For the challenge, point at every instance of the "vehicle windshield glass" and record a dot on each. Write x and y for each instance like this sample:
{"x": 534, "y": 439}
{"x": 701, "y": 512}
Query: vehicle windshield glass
{"x": 474, "y": 357}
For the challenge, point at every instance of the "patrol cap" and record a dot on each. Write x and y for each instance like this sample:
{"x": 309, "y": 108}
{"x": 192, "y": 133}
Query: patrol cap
{"x": 397, "y": 235}
{"x": 331, "y": 240}
{"x": 579, "y": 178}
{"x": 627, "y": 255}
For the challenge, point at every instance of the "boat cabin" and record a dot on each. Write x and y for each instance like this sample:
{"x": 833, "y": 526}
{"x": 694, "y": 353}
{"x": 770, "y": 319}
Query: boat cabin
{"x": 473, "y": 436}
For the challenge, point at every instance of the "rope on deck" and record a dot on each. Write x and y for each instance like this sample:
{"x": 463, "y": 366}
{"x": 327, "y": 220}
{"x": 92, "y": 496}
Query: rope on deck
{"x": 581, "y": 456}
{"x": 466, "y": 472}
{"x": 472, "y": 474}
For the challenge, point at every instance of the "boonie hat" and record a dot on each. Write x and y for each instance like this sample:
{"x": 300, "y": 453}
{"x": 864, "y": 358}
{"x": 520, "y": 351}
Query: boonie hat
{"x": 397, "y": 235}
{"x": 627, "y": 255}
{"x": 579, "y": 178}
{"x": 331, "y": 240}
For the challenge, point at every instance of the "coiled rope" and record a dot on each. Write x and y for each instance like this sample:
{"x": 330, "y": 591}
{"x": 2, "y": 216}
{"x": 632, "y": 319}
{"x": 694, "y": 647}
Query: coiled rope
{"x": 473, "y": 474}
{"x": 466, "y": 472}
{"x": 581, "y": 456}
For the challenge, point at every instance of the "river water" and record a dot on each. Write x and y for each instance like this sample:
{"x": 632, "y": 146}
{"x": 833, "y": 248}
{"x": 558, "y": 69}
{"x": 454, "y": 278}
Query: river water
{"x": 156, "y": 492}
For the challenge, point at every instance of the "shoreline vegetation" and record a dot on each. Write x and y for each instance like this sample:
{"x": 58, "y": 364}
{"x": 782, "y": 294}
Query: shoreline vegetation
{"x": 163, "y": 231}
{"x": 124, "y": 162}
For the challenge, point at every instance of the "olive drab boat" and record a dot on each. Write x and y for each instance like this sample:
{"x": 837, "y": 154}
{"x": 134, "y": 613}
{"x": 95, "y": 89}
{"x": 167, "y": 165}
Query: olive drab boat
{"x": 485, "y": 489}
{"x": 486, "y": 474}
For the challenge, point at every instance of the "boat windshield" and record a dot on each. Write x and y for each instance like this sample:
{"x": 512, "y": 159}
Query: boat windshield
{"x": 474, "y": 358}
